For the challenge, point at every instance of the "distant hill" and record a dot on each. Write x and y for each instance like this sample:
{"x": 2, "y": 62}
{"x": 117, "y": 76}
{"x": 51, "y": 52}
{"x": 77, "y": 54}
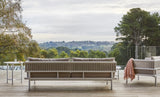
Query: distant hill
{"x": 82, "y": 45}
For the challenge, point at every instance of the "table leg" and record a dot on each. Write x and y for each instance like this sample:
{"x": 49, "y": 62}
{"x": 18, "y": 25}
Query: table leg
{"x": 29, "y": 81}
{"x": 138, "y": 77}
{"x": 156, "y": 80}
{"x": 111, "y": 80}
{"x": 21, "y": 71}
{"x": 118, "y": 74}
{"x": 12, "y": 72}
{"x": 7, "y": 73}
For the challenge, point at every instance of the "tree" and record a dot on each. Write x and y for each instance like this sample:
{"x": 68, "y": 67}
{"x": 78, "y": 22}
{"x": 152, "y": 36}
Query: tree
{"x": 134, "y": 27}
{"x": 63, "y": 54}
{"x": 121, "y": 52}
{"x": 78, "y": 53}
{"x": 153, "y": 31}
{"x": 73, "y": 54}
{"x": 44, "y": 53}
{"x": 100, "y": 54}
{"x": 52, "y": 53}
{"x": 11, "y": 18}
{"x": 60, "y": 49}
{"x": 15, "y": 37}
{"x": 33, "y": 49}
{"x": 92, "y": 54}
{"x": 83, "y": 54}
{"x": 96, "y": 54}
{"x": 7, "y": 51}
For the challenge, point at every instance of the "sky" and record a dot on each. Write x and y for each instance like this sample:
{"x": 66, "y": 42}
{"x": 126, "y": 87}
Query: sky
{"x": 79, "y": 20}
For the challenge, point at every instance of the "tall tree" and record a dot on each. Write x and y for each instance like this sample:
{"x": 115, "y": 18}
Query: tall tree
{"x": 11, "y": 18}
{"x": 134, "y": 27}
{"x": 15, "y": 36}
{"x": 33, "y": 49}
{"x": 153, "y": 30}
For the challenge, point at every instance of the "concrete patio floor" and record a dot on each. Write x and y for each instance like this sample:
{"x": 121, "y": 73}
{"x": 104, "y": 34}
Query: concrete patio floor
{"x": 137, "y": 88}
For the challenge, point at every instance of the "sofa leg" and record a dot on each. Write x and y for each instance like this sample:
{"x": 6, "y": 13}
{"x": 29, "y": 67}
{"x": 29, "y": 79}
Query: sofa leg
{"x": 29, "y": 85}
{"x": 111, "y": 85}
{"x": 155, "y": 80}
{"x": 106, "y": 82}
{"x": 34, "y": 82}
{"x": 29, "y": 82}
{"x": 111, "y": 80}
{"x": 138, "y": 77}
{"x": 126, "y": 81}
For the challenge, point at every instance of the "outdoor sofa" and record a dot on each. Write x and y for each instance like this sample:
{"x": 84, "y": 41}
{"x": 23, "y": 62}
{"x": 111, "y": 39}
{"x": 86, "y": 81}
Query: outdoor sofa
{"x": 70, "y": 69}
{"x": 147, "y": 67}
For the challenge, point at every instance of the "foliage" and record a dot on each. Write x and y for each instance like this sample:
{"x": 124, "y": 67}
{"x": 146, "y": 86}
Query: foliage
{"x": 63, "y": 54}
{"x": 74, "y": 53}
{"x": 132, "y": 27}
{"x": 33, "y": 49}
{"x": 11, "y": 18}
{"x": 52, "y": 53}
{"x": 82, "y": 45}
{"x": 137, "y": 28}
{"x": 121, "y": 52}
{"x": 96, "y": 54}
{"x": 83, "y": 54}
{"x": 15, "y": 36}
{"x": 61, "y": 49}
{"x": 44, "y": 53}
{"x": 153, "y": 30}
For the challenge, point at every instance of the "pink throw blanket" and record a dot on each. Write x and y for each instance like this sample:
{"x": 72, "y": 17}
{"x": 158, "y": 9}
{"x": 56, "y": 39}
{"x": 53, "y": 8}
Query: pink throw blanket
{"x": 129, "y": 70}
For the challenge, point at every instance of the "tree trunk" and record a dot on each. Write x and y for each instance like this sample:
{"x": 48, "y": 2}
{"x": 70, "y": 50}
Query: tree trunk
{"x": 136, "y": 51}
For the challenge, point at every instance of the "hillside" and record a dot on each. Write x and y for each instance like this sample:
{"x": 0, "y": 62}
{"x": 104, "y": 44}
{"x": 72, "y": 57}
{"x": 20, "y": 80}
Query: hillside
{"x": 83, "y": 45}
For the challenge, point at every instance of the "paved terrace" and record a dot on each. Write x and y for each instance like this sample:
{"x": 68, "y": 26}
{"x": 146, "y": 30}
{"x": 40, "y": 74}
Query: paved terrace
{"x": 138, "y": 88}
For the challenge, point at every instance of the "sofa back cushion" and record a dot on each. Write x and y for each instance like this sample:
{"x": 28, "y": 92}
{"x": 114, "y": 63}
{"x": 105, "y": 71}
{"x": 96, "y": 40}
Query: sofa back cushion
{"x": 48, "y": 59}
{"x": 93, "y": 59}
{"x": 155, "y": 57}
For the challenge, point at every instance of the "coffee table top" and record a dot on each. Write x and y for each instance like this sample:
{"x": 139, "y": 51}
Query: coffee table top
{"x": 13, "y": 62}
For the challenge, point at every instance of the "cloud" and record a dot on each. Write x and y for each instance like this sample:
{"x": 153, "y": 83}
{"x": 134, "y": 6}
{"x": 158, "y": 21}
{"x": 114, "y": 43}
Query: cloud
{"x": 69, "y": 19}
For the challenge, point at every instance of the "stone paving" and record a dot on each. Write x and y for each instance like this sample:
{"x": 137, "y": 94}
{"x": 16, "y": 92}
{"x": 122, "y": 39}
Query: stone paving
{"x": 137, "y": 88}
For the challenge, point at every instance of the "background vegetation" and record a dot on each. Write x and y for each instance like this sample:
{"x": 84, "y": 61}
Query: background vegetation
{"x": 53, "y": 53}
